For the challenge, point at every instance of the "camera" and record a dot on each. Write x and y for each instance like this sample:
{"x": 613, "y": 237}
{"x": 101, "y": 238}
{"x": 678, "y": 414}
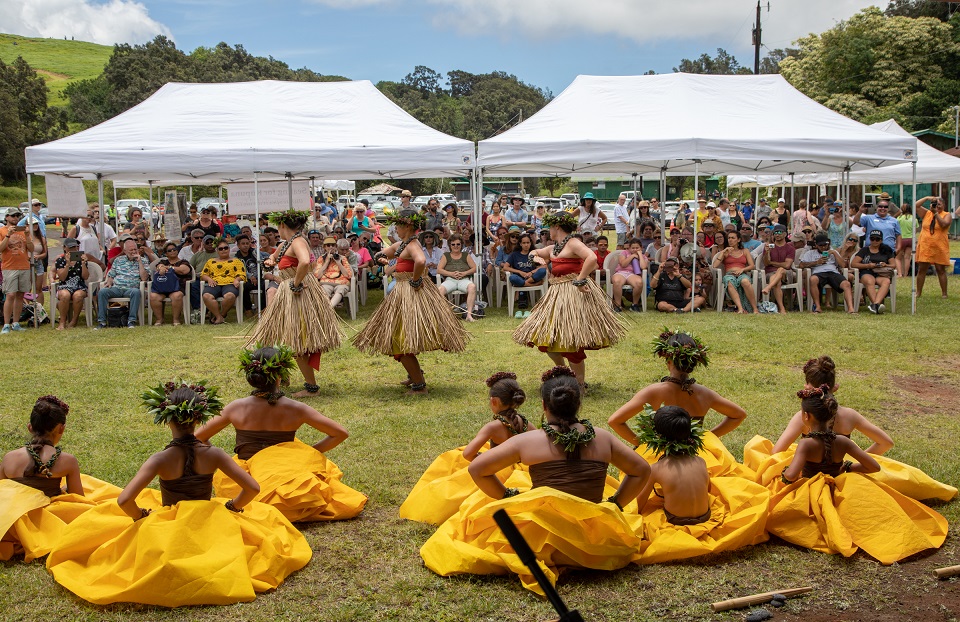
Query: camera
{"x": 833, "y": 210}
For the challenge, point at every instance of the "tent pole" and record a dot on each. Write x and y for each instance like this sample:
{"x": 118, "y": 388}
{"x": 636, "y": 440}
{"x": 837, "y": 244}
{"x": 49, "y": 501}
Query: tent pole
{"x": 636, "y": 206}
{"x": 150, "y": 201}
{"x": 663, "y": 208}
{"x": 290, "y": 190}
{"x": 792, "y": 197}
{"x": 102, "y": 210}
{"x": 191, "y": 194}
{"x": 30, "y": 242}
{"x": 696, "y": 251}
{"x": 900, "y": 198}
{"x": 477, "y": 224}
{"x": 913, "y": 246}
{"x": 115, "y": 204}
{"x": 256, "y": 227}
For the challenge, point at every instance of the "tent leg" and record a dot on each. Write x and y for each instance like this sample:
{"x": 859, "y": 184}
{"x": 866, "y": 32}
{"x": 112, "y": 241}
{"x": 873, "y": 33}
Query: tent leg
{"x": 256, "y": 227}
{"x": 792, "y": 197}
{"x": 33, "y": 273}
{"x": 102, "y": 210}
{"x": 696, "y": 251}
{"x": 913, "y": 247}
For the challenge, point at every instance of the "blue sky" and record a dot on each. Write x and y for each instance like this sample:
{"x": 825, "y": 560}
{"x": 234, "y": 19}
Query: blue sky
{"x": 543, "y": 42}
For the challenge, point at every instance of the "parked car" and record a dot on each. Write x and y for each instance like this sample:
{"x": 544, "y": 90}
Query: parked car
{"x": 125, "y": 205}
{"x": 201, "y": 203}
{"x": 572, "y": 198}
{"x": 608, "y": 210}
{"x": 551, "y": 203}
{"x": 445, "y": 199}
{"x": 671, "y": 208}
{"x": 383, "y": 209}
{"x": 420, "y": 202}
{"x": 345, "y": 200}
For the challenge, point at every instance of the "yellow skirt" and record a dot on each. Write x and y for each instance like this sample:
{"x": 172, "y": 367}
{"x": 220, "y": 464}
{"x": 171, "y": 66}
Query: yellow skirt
{"x": 299, "y": 481}
{"x": 441, "y": 489}
{"x": 563, "y": 531}
{"x": 32, "y": 523}
{"x": 903, "y": 478}
{"x": 851, "y": 511}
{"x": 720, "y": 462}
{"x": 192, "y": 553}
{"x": 738, "y": 516}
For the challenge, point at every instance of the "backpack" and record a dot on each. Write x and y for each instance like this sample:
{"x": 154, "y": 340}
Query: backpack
{"x": 117, "y": 317}
{"x": 29, "y": 310}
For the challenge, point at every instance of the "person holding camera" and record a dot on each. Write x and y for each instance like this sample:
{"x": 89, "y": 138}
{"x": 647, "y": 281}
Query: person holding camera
{"x": 881, "y": 221}
{"x": 825, "y": 264}
{"x": 670, "y": 286}
{"x": 875, "y": 262}
{"x": 71, "y": 273}
{"x": 333, "y": 271}
{"x": 832, "y": 223}
{"x": 933, "y": 246}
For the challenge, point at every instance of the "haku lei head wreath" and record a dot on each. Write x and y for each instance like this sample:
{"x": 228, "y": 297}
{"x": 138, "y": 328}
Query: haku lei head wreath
{"x": 820, "y": 391}
{"x": 56, "y": 401}
{"x": 500, "y": 375}
{"x": 647, "y": 435}
{"x": 685, "y": 354}
{"x": 295, "y": 219}
{"x": 557, "y": 372}
{"x": 274, "y": 367}
{"x": 203, "y": 402}
{"x": 411, "y": 218}
{"x": 560, "y": 219}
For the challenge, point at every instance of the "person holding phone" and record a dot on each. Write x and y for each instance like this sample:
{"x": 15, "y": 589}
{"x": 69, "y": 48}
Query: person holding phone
{"x": 825, "y": 264}
{"x": 875, "y": 262}
{"x": 16, "y": 264}
{"x": 72, "y": 272}
{"x": 933, "y": 246}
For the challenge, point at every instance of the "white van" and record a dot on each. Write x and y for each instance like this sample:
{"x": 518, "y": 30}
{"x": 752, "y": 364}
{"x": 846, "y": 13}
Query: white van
{"x": 346, "y": 200}
{"x": 572, "y": 198}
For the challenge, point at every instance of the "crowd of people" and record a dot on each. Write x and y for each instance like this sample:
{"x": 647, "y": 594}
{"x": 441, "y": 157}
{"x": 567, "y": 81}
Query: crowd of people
{"x": 735, "y": 243}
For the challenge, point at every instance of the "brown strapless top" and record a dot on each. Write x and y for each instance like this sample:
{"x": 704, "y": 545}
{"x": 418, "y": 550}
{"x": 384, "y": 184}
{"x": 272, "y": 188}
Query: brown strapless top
{"x": 580, "y": 478}
{"x": 49, "y": 486}
{"x": 249, "y": 442}
{"x": 825, "y": 465}
{"x": 190, "y": 486}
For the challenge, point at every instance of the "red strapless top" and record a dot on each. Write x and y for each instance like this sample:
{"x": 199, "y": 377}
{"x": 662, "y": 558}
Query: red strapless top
{"x": 566, "y": 265}
{"x": 404, "y": 265}
{"x": 288, "y": 261}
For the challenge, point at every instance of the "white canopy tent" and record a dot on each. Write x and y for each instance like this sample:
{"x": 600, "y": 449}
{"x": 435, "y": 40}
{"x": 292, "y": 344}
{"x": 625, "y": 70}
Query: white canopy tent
{"x": 676, "y": 123}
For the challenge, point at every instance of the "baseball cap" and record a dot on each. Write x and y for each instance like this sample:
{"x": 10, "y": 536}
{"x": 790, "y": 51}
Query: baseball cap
{"x": 780, "y": 200}
{"x": 208, "y": 238}
{"x": 763, "y": 200}
{"x": 779, "y": 229}
{"x": 71, "y": 243}
{"x": 406, "y": 193}
{"x": 364, "y": 201}
{"x": 35, "y": 201}
{"x": 821, "y": 238}
{"x": 876, "y": 233}
{"x": 711, "y": 204}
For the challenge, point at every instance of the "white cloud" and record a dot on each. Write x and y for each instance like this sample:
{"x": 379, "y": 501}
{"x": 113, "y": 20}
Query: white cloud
{"x": 114, "y": 21}
{"x": 350, "y": 4}
{"x": 718, "y": 24}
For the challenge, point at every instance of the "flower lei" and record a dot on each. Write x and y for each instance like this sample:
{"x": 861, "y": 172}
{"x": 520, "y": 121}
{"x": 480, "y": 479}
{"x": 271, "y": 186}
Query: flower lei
{"x": 573, "y": 437}
{"x": 205, "y": 405}
{"x": 415, "y": 220}
{"x": 683, "y": 356}
{"x": 648, "y": 435}
{"x": 560, "y": 219}
{"x": 276, "y": 367}
{"x": 291, "y": 218}
{"x": 509, "y": 425}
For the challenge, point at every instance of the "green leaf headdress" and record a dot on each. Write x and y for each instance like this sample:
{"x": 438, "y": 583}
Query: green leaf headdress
{"x": 683, "y": 356}
{"x": 203, "y": 406}
{"x": 648, "y": 435}
{"x": 562, "y": 219}
{"x": 408, "y": 217}
{"x": 295, "y": 219}
{"x": 276, "y": 366}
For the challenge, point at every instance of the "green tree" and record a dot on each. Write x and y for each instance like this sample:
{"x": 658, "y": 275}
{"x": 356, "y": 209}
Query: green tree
{"x": 425, "y": 80}
{"x": 25, "y": 118}
{"x": 723, "y": 63}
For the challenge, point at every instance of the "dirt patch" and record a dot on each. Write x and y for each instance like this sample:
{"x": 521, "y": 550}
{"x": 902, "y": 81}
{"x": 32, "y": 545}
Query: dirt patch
{"x": 59, "y": 76}
{"x": 926, "y": 395}
{"x": 941, "y": 602}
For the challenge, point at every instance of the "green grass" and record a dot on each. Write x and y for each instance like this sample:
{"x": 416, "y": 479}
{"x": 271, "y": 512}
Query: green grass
{"x": 59, "y": 62}
{"x": 369, "y": 568}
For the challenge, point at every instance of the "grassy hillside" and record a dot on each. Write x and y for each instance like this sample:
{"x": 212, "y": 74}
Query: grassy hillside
{"x": 59, "y": 62}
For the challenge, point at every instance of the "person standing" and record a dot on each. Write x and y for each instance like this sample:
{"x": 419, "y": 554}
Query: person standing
{"x": 881, "y": 221}
{"x": 516, "y": 216}
{"x": 589, "y": 217}
{"x": 621, "y": 221}
{"x": 933, "y": 247}
{"x": 16, "y": 264}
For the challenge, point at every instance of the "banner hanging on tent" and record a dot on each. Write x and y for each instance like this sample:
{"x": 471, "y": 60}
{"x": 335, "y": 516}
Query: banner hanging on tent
{"x": 273, "y": 196}
{"x": 65, "y": 196}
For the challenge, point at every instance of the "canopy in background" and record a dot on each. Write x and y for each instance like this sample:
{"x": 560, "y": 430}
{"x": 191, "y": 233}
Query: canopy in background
{"x": 213, "y": 133}
{"x": 686, "y": 123}
{"x": 933, "y": 166}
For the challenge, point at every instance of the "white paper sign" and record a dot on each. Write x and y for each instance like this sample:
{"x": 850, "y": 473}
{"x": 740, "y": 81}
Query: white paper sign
{"x": 272, "y": 196}
{"x": 171, "y": 217}
{"x": 65, "y": 196}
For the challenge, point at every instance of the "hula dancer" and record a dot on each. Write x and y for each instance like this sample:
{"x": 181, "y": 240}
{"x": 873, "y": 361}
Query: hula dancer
{"x": 181, "y": 547}
{"x": 415, "y": 317}
{"x": 294, "y": 477}
{"x": 299, "y": 315}
{"x": 575, "y": 314}
{"x": 683, "y": 353}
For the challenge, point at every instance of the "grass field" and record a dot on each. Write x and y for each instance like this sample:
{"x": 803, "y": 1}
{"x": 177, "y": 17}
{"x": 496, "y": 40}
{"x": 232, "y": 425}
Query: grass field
{"x": 58, "y": 61}
{"x": 902, "y": 372}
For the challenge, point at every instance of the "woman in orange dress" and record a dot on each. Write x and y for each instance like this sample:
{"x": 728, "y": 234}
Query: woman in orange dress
{"x": 933, "y": 246}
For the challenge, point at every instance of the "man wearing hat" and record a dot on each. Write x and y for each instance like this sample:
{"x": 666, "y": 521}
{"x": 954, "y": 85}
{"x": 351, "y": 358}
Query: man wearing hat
{"x": 516, "y": 215}
{"x": 333, "y": 272}
{"x": 824, "y": 263}
{"x": 882, "y": 221}
{"x": 778, "y": 261}
{"x": 709, "y": 233}
{"x": 431, "y": 251}
{"x": 158, "y": 242}
{"x": 763, "y": 209}
{"x": 702, "y": 212}
{"x": 405, "y": 196}
{"x": 15, "y": 263}
{"x": 34, "y": 217}
{"x": 747, "y": 209}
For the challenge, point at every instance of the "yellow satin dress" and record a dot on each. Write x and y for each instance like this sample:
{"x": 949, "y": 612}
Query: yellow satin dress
{"x": 720, "y": 462}
{"x": 564, "y": 531}
{"x": 299, "y": 481}
{"x": 32, "y": 523}
{"x": 905, "y": 479}
{"x": 839, "y": 515}
{"x": 190, "y": 553}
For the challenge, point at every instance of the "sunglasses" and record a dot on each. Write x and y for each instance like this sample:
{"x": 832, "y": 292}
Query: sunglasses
{"x": 823, "y": 244}
{"x": 851, "y": 239}
{"x": 331, "y": 245}
{"x": 223, "y": 248}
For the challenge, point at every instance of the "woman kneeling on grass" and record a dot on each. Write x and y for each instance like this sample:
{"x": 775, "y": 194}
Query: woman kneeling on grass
{"x": 441, "y": 489}
{"x": 561, "y": 512}
{"x": 181, "y": 547}
{"x": 294, "y": 477}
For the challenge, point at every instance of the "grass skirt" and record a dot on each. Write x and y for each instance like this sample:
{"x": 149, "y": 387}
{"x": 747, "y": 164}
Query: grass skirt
{"x": 443, "y": 487}
{"x": 905, "y": 479}
{"x": 738, "y": 516}
{"x": 568, "y": 320}
{"x": 191, "y": 553}
{"x": 305, "y": 322}
{"x": 563, "y": 531}
{"x": 411, "y": 321}
{"x": 299, "y": 481}
{"x": 32, "y": 523}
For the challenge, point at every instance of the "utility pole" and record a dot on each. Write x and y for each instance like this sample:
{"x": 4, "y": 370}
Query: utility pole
{"x": 756, "y": 42}
{"x": 956, "y": 127}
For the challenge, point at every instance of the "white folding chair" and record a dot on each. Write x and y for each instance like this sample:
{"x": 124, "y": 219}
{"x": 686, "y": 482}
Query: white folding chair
{"x": 610, "y": 268}
{"x": 362, "y": 286}
{"x": 499, "y": 284}
{"x": 814, "y": 296}
{"x": 720, "y": 290}
{"x": 352, "y": 297}
{"x": 166, "y": 299}
{"x": 454, "y": 296}
{"x": 532, "y": 290}
{"x": 858, "y": 291}
{"x": 237, "y": 304}
{"x": 126, "y": 301}
{"x": 785, "y": 286}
